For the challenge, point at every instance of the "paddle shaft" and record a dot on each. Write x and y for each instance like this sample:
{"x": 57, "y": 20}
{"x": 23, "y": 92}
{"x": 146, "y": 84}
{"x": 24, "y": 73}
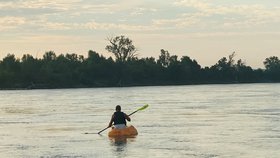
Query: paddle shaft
{"x": 133, "y": 112}
{"x": 103, "y": 130}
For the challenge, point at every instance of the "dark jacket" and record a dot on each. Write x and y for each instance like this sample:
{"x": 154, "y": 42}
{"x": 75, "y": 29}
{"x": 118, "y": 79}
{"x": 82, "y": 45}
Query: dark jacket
{"x": 119, "y": 118}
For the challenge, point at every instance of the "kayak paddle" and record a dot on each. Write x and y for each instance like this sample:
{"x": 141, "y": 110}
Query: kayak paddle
{"x": 142, "y": 108}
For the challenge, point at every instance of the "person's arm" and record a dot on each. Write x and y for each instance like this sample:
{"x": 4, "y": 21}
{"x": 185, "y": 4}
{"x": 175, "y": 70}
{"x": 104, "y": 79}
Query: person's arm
{"x": 127, "y": 117}
{"x": 111, "y": 121}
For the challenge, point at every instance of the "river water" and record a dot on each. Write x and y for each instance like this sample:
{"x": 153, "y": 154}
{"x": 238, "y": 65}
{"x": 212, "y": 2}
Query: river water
{"x": 204, "y": 121}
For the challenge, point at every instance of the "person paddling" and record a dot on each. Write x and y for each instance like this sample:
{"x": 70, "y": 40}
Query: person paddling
{"x": 119, "y": 119}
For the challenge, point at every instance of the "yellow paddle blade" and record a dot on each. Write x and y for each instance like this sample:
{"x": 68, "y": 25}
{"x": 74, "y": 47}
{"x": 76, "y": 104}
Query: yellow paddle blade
{"x": 144, "y": 107}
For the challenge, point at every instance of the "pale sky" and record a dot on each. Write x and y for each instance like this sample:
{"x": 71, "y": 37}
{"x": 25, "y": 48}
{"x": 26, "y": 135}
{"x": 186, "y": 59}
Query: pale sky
{"x": 205, "y": 30}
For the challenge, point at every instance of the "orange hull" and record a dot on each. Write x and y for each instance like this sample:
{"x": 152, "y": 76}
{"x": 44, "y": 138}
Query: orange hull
{"x": 128, "y": 131}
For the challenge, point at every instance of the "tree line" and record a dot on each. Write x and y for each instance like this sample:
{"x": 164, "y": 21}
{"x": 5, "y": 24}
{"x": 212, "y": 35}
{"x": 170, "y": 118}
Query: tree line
{"x": 126, "y": 69}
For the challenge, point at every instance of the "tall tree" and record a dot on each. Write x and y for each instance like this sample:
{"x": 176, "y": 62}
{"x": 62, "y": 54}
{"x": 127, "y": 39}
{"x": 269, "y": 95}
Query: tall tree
{"x": 30, "y": 68}
{"x": 9, "y": 71}
{"x": 272, "y": 63}
{"x": 164, "y": 58}
{"x": 224, "y": 70}
{"x": 122, "y": 47}
{"x": 49, "y": 56}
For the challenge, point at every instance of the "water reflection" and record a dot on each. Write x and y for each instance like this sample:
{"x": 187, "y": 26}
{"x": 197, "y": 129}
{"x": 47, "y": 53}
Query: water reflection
{"x": 120, "y": 141}
{"x": 120, "y": 144}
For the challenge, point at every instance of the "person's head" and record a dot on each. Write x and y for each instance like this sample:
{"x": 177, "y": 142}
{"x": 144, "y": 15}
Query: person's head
{"x": 118, "y": 108}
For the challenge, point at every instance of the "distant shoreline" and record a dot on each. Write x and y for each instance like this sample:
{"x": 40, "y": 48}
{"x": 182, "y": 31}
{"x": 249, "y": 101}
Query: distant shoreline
{"x": 137, "y": 85}
{"x": 96, "y": 71}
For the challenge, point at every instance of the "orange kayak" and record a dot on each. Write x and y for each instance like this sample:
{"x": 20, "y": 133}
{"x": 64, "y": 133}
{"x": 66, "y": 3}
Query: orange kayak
{"x": 128, "y": 131}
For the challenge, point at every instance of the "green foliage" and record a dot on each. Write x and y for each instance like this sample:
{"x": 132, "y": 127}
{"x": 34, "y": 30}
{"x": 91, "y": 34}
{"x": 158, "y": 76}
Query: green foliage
{"x": 122, "y": 48}
{"x": 272, "y": 65}
{"x": 164, "y": 58}
{"x": 95, "y": 70}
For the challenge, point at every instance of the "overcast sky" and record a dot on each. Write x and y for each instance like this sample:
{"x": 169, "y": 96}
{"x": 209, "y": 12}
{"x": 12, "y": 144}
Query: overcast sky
{"x": 205, "y": 30}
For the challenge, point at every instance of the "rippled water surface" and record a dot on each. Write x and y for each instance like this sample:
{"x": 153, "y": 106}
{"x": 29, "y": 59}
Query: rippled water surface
{"x": 207, "y": 121}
